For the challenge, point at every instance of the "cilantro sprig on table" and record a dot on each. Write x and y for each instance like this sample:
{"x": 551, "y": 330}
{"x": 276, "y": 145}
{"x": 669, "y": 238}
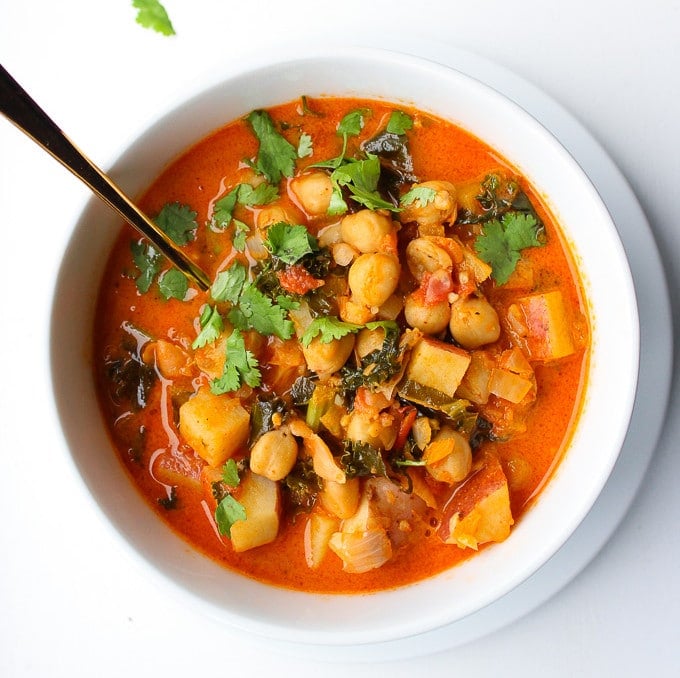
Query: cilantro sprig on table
{"x": 151, "y": 14}
{"x": 501, "y": 241}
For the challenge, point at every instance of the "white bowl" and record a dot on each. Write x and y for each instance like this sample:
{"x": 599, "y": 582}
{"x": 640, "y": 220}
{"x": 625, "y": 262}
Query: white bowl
{"x": 571, "y": 492}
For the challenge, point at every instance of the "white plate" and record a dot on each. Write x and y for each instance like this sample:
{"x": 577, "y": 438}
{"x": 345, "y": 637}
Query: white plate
{"x": 650, "y": 403}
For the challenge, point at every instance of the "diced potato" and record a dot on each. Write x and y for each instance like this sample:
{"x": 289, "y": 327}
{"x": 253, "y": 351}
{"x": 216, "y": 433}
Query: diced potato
{"x": 215, "y": 426}
{"x": 437, "y": 365}
{"x": 508, "y": 385}
{"x": 178, "y": 469}
{"x": 340, "y": 499}
{"x": 479, "y": 509}
{"x": 318, "y": 531}
{"x": 472, "y": 263}
{"x": 259, "y": 496}
{"x": 475, "y": 384}
{"x": 540, "y": 323}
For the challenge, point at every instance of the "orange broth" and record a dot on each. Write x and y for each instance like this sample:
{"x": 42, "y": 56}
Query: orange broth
{"x": 148, "y": 440}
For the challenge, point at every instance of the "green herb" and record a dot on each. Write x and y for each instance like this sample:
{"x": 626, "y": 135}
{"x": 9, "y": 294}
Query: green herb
{"x": 423, "y": 194}
{"x": 302, "y": 485}
{"x": 304, "y": 149}
{"x": 243, "y": 194}
{"x": 230, "y": 473}
{"x": 410, "y": 462}
{"x": 306, "y": 109}
{"x": 327, "y": 328}
{"x": 173, "y": 284}
{"x": 241, "y": 231}
{"x": 228, "y": 512}
{"x": 289, "y": 243}
{"x": 148, "y": 261}
{"x": 257, "y": 311}
{"x": 379, "y": 365}
{"x": 302, "y": 390}
{"x": 228, "y": 284}
{"x": 361, "y": 178}
{"x": 178, "y": 221}
{"x": 276, "y": 156}
{"x": 350, "y": 125}
{"x": 151, "y": 14}
{"x": 262, "y": 415}
{"x": 399, "y": 123}
{"x": 240, "y": 367}
{"x": 501, "y": 242}
{"x": 362, "y": 459}
{"x": 211, "y": 327}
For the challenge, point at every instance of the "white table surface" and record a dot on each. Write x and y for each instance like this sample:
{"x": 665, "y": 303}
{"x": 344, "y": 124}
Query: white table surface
{"x": 71, "y": 604}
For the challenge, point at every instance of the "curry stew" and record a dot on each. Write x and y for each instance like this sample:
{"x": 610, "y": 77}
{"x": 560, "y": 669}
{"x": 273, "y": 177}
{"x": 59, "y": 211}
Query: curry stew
{"x": 386, "y": 369}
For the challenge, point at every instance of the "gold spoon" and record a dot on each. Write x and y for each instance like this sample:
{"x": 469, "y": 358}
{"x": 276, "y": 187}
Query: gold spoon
{"x": 18, "y": 107}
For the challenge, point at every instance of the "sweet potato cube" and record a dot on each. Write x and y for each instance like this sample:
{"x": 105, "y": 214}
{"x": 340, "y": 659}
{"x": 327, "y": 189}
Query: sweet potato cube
{"x": 259, "y": 496}
{"x": 542, "y": 325}
{"x": 508, "y": 385}
{"x": 437, "y": 365}
{"x": 479, "y": 509}
{"x": 216, "y": 426}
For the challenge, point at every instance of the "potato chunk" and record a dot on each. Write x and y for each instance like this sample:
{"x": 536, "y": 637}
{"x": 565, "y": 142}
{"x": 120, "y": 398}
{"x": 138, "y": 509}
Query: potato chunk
{"x": 259, "y": 496}
{"x": 479, "y": 509}
{"x": 437, "y": 365}
{"x": 215, "y": 426}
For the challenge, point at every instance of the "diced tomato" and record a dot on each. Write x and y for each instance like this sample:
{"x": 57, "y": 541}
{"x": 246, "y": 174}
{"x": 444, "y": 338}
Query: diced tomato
{"x": 298, "y": 280}
{"x": 408, "y": 416}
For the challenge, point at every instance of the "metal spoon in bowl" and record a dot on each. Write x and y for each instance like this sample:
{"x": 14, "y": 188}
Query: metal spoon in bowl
{"x": 19, "y": 108}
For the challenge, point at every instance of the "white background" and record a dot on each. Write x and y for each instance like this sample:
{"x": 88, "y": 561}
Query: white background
{"x": 71, "y": 604}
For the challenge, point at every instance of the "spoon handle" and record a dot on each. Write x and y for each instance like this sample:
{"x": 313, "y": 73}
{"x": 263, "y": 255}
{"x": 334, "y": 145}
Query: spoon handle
{"x": 25, "y": 113}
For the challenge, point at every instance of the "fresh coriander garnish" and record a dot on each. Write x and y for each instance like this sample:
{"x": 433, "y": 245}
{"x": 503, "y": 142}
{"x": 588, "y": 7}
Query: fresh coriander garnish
{"x": 230, "y": 473}
{"x": 243, "y": 194}
{"x": 276, "y": 156}
{"x": 151, "y": 14}
{"x": 500, "y": 242}
{"x": 290, "y": 243}
{"x": 240, "y": 367}
{"x": 304, "y": 149}
{"x": 399, "y": 123}
{"x": 423, "y": 194}
{"x": 178, "y": 221}
{"x": 228, "y": 284}
{"x": 228, "y": 512}
{"x": 173, "y": 284}
{"x": 361, "y": 179}
{"x": 211, "y": 327}
{"x": 148, "y": 261}
{"x": 327, "y": 328}
{"x": 350, "y": 125}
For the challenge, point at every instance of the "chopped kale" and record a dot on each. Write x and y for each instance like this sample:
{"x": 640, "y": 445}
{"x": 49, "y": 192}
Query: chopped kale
{"x": 130, "y": 380}
{"x": 302, "y": 389}
{"x": 169, "y": 502}
{"x": 362, "y": 459}
{"x": 262, "y": 415}
{"x": 301, "y": 486}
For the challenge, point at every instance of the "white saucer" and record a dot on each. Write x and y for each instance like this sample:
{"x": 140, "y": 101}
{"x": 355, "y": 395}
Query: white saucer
{"x": 650, "y": 403}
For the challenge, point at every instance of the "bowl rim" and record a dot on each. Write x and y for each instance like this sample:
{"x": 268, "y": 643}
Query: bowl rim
{"x": 396, "y": 629}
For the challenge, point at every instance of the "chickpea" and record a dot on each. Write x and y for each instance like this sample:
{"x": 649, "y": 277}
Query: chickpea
{"x": 423, "y": 256}
{"x": 368, "y": 341}
{"x": 324, "y": 359}
{"x": 442, "y": 208}
{"x": 428, "y": 318}
{"x": 313, "y": 191}
{"x": 272, "y": 214}
{"x": 365, "y": 230}
{"x": 274, "y": 454}
{"x": 474, "y": 322}
{"x": 456, "y": 465}
{"x": 373, "y": 277}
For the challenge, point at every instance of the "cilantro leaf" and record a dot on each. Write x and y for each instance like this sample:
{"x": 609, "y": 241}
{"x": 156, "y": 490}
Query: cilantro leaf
{"x": 327, "y": 328}
{"x": 399, "y": 123}
{"x": 151, "y": 14}
{"x": 240, "y": 366}
{"x": 178, "y": 221}
{"x": 228, "y": 512}
{"x": 230, "y": 473}
{"x": 361, "y": 179}
{"x": 223, "y": 209}
{"x": 289, "y": 242}
{"x": 241, "y": 231}
{"x": 173, "y": 284}
{"x": 211, "y": 327}
{"x": 257, "y": 311}
{"x": 276, "y": 156}
{"x": 500, "y": 242}
{"x": 423, "y": 194}
{"x": 353, "y": 122}
{"x": 262, "y": 194}
{"x": 304, "y": 149}
{"x": 148, "y": 261}
{"x": 228, "y": 284}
